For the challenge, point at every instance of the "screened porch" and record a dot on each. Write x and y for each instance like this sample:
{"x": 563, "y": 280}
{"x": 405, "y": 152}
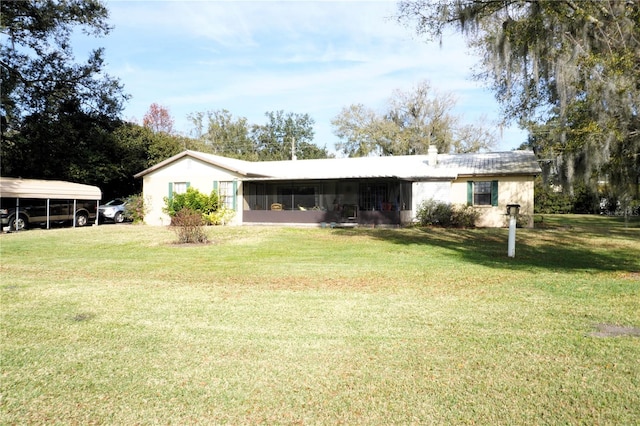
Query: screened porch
{"x": 357, "y": 201}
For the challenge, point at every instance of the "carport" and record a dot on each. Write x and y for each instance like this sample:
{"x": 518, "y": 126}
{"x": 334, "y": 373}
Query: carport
{"x": 49, "y": 190}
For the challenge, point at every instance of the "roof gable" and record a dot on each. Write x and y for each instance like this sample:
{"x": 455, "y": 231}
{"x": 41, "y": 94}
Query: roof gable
{"x": 234, "y": 165}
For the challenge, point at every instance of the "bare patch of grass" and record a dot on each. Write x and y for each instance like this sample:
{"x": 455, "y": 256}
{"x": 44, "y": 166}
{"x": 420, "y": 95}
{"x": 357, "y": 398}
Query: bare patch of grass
{"x": 612, "y": 330}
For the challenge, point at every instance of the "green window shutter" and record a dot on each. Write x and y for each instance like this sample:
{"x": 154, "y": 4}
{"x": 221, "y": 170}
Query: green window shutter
{"x": 235, "y": 194}
{"x": 170, "y": 190}
{"x": 188, "y": 184}
{"x": 470, "y": 192}
{"x": 494, "y": 193}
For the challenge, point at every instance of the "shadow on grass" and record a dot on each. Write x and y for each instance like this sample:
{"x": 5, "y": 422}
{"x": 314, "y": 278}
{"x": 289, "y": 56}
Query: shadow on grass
{"x": 554, "y": 249}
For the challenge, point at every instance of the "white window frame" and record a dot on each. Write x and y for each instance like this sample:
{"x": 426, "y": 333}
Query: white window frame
{"x": 180, "y": 187}
{"x": 225, "y": 193}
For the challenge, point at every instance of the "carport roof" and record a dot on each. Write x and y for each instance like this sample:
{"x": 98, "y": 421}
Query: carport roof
{"x": 409, "y": 167}
{"x": 47, "y": 189}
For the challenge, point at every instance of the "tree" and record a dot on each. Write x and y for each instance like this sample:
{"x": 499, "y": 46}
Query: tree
{"x": 359, "y": 129}
{"x": 411, "y": 121}
{"x": 222, "y": 134}
{"x": 286, "y": 136}
{"x": 135, "y": 149}
{"x": 421, "y": 117}
{"x": 570, "y": 66}
{"x": 158, "y": 119}
{"x": 57, "y": 115}
{"x": 39, "y": 74}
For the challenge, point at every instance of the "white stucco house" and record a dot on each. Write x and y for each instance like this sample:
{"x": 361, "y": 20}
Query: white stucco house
{"x": 368, "y": 190}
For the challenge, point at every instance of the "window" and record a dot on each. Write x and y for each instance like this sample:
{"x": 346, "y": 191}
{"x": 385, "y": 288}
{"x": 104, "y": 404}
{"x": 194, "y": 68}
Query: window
{"x": 180, "y": 187}
{"x": 177, "y": 188}
{"x": 226, "y": 192}
{"x": 482, "y": 193}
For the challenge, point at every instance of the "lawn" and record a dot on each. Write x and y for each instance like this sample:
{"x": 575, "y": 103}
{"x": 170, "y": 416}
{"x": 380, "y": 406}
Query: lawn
{"x": 116, "y": 324}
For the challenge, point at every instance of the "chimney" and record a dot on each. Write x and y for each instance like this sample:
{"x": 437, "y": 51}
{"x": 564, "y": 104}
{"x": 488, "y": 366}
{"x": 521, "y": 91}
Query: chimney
{"x": 433, "y": 155}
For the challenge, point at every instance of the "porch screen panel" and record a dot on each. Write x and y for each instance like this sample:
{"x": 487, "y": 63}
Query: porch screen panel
{"x": 299, "y": 196}
{"x": 373, "y": 196}
{"x": 406, "y": 196}
{"x": 255, "y": 196}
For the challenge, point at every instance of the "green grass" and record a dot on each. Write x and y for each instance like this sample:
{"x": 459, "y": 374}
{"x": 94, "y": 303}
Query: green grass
{"x": 269, "y": 325}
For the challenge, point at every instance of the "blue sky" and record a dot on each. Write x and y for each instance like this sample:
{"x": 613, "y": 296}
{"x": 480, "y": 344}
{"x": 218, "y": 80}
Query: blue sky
{"x": 250, "y": 57}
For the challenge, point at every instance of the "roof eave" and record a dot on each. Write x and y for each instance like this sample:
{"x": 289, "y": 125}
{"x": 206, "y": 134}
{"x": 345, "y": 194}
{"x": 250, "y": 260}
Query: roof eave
{"x": 500, "y": 174}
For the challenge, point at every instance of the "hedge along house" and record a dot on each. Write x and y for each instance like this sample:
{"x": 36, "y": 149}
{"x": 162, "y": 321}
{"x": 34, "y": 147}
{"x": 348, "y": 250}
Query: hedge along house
{"x": 367, "y": 191}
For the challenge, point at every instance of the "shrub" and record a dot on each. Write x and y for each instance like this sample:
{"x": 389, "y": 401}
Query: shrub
{"x": 548, "y": 200}
{"x": 551, "y": 199}
{"x": 222, "y": 216}
{"x": 192, "y": 200}
{"x": 585, "y": 200}
{"x": 135, "y": 208}
{"x": 189, "y": 226}
{"x": 464, "y": 217}
{"x": 208, "y": 206}
{"x": 432, "y": 212}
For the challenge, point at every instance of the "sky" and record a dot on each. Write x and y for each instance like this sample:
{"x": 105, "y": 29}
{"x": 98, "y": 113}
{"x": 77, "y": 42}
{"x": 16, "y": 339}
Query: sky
{"x": 305, "y": 57}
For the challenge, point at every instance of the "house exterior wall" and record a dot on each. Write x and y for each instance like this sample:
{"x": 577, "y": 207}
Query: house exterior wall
{"x": 423, "y": 191}
{"x": 202, "y": 175}
{"x": 511, "y": 190}
{"x": 197, "y": 174}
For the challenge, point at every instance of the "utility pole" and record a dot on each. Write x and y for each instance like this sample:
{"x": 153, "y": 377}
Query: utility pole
{"x": 293, "y": 149}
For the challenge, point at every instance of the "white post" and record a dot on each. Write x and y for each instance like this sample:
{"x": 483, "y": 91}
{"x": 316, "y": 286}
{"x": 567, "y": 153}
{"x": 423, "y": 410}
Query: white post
{"x": 16, "y": 218}
{"x": 293, "y": 149}
{"x": 511, "y": 249}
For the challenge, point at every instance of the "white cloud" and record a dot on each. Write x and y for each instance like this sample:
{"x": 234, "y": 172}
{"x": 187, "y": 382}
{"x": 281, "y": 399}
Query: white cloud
{"x": 305, "y": 57}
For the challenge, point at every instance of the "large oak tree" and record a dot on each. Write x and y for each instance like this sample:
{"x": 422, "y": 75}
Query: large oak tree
{"x": 57, "y": 114}
{"x": 568, "y": 70}
{"x": 410, "y": 122}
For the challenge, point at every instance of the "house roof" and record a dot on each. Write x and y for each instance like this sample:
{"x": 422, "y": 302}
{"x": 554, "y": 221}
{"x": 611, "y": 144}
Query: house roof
{"x": 491, "y": 163}
{"x": 47, "y": 189}
{"x": 410, "y": 167}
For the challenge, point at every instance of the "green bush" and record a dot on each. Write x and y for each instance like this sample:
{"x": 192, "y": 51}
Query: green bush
{"x": 135, "y": 208}
{"x": 189, "y": 226}
{"x": 549, "y": 201}
{"x": 585, "y": 200}
{"x": 464, "y": 217}
{"x": 222, "y": 216}
{"x": 437, "y": 213}
{"x": 208, "y": 206}
{"x": 192, "y": 200}
{"x": 432, "y": 212}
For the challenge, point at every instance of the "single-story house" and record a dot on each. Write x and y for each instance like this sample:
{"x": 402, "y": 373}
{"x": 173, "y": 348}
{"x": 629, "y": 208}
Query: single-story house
{"x": 367, "y": 190}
